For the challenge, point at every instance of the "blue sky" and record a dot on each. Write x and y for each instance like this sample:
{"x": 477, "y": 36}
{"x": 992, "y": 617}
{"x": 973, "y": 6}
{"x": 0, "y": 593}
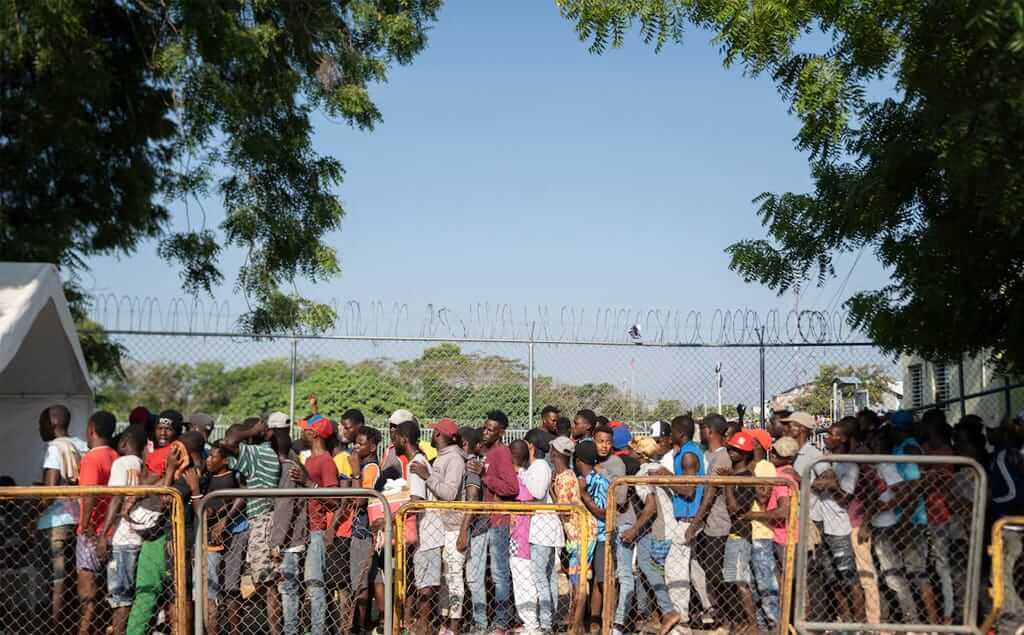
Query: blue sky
{"x": 513, "y": 166}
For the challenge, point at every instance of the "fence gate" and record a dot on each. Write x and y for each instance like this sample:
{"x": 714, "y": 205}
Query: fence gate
{"x": 923, "y": 524}
{"x": 41, "y": 559}
{"x": 311, "y": 560}
{"x": 1007, "y": 592}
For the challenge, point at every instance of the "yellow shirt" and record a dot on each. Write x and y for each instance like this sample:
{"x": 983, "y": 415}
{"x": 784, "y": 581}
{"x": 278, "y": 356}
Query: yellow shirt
{"x": 758, "y": 529}
{"x": 428, "y": 450}
{"x": 341, "y": 461}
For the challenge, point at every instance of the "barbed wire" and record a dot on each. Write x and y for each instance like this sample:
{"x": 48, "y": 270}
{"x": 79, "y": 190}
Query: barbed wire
{"x": 502, "y": 321}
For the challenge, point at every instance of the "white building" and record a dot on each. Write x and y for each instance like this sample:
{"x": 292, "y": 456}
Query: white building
{"x": 936, "y": 383}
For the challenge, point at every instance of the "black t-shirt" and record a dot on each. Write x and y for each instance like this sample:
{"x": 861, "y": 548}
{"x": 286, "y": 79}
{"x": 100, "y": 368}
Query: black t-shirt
{"x": 212, "y": 483}
{"x": 632, "y": 464}
{"x": 745, "y": 497}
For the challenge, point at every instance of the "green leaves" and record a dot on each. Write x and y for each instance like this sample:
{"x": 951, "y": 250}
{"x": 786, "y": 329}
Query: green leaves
{"x": 114, "y": 110}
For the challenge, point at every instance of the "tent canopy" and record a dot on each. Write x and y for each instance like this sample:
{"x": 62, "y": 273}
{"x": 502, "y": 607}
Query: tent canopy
{"x": 41, "y": 363}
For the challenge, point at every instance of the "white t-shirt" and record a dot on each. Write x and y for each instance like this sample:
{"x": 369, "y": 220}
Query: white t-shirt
{"x": 662, "y": 499}
{"x": 825, "y": 508}
{"x": 126, "y": 471}
{"x": 431, "y": 527}
{"x": 545, "y": 528}
{"x": 64, "y": 511}
{"x": 891, "y": 475}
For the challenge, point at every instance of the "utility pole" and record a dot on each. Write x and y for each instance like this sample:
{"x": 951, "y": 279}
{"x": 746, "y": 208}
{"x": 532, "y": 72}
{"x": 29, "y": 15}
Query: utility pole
{"x": 718, "y": 384}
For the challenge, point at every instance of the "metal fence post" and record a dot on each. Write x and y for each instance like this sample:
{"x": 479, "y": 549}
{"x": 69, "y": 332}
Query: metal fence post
{"x": 1008, "y": 401}
{"x": 761, "y": 351}
{"x": 529, "y": 422}
{"x": 291, "y": 383}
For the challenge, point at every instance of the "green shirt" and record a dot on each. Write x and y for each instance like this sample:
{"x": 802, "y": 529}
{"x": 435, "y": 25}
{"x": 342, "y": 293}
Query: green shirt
{"x": 262, "y": 470}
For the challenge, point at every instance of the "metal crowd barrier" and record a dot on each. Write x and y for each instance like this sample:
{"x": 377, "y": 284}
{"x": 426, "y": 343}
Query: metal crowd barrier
{"x": 911, "y": 552}
{"x": 785, "y": 584}
{"x": 23, "y": 612}
{"x": 283, "y": 577}
{"x": 1007, "y": 612}
{"x": 415, "y": 510}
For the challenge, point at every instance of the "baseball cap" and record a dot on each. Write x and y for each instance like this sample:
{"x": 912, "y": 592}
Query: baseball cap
{"x": 646, "y": 446}
{"x": 447, "y": 427}
{"x": 786, "y": 447}
{"x": 901, "y": 419}
{"x": 172, "y": 418}
{"x": 621, "y": 436}
{"x": 661, "y": 429}
{"x": 586, "y": 451}
{"x": 616, "y": 424}
{"x": 201, "y": 420}
{"x": 319, "y": 425}
{"x": 278, "y": 420}
{"x": 802, "y": 419}
{"x": 742, "y": 441}
{"x": 562, "y": 445}
{"x": 762, "y": 437}
{"x": 401, "y": 416}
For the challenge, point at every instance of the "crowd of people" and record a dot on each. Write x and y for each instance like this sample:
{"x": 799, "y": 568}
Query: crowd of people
{"x": 701, "y": 556}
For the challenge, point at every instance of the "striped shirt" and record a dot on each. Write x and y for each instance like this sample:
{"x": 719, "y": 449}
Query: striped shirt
{"x": 262, "y": 470}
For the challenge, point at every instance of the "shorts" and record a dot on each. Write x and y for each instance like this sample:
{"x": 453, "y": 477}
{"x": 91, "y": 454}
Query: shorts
{"x": 261, "y": 565}
{"x": 224, "y": 568}
{"x": 598, "y": 561}
{"x": 898, "y": 549}
{"x": 426, "y": 568}
{"x": 61, "y": 541}
{"x": 85, "y": 555}
{"x": 834, "y": 559}
{"x": 573, "y": 559}
{"x": 364, "y": 568}
{"x": 737, "y": 561}
{"x": 121, "y": 576}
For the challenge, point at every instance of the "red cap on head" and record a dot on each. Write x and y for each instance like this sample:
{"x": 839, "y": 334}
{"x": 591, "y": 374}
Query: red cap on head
{"x": 742, "y": 441}
{"x": 616, "y": 424}
{"x": 447, "y": 427}
{"x": 762, "y": 437}
{"x": 319, "y": 425}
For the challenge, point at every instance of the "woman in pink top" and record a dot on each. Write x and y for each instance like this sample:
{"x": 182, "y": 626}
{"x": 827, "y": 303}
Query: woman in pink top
{"x": 523, "y": 587}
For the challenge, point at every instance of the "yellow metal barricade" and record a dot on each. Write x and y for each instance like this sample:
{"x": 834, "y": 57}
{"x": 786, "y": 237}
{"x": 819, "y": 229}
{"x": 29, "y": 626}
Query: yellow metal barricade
{"x": 1007, "y": 612}
{"x": 39, "y": 583}
{"x": 464, "y": 603}
{"x": 714, "y": 580}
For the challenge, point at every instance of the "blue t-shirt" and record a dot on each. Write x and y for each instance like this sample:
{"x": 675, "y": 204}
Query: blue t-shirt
{"x": 597, "y": 489}
{"x": 681, "y": 507}
{"x": 911, "y": 472}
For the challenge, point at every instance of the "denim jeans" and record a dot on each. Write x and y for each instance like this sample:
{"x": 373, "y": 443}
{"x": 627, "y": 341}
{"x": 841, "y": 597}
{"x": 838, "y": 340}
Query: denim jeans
{"x": 476, "y": 574}
{"x": 624, "y": 572}
{"x": 290, "y": 587}
{"x": 543, "y": 561}
{"x": 762, "y": 561}
{"x": 652, "y": 574}
{"x": 501, "y": 575}
{"x": 316, "y": 560}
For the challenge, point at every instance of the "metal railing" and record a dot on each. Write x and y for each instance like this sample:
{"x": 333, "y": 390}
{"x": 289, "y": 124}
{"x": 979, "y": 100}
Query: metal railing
{"x": 786, "y": 579}
{"x": 200, "y": 564}
{"x": 565, "y": 513}
{"x": 895, "y": 547}
{"x": 175, "y": 527}
{"x": 998, "y": 590}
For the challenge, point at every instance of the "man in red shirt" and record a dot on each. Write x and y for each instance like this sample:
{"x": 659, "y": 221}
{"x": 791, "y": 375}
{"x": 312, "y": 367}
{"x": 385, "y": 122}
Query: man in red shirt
{"x": 168, "y": 428}
{"x": 322, "y": 472}
{"x": 94, "y": 470}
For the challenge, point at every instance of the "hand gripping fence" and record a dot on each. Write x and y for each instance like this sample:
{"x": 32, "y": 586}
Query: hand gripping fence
{"x": 914, "y": 562}
{"x": 32, "y": 560}
{"x": 1007, "y": 591}
{"x": 712, "y": 584}
{"x": 469, "y": 597}
{"x": 310, "y": 564}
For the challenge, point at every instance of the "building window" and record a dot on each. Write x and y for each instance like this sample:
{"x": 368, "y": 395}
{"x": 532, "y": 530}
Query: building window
{"x": 942, "y": 391}
{"x": 916, "y": 385}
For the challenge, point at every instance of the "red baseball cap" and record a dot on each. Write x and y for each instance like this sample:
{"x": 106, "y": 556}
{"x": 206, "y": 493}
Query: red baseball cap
{"x": 321, "y": 426}
{"x": 762, "y": 437}
{"x": 616, "y": 424}
{"x": 742, "y": 441}
{"x": 447, "y": 427}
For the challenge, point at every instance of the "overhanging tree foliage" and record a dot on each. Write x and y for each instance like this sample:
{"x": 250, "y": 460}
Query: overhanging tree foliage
{"x": 112, "y": 110}
{"x": 928, "y": 179}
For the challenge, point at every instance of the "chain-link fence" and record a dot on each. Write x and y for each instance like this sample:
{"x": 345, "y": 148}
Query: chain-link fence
{"x": 666, "y": 568}
{"x": 234, "y": 376}
{"x": 468, "y": 567}
{"x": 1007, "y": 592}
{"x": 293, "y": 561}
{"x": 123, "y": 571}
{"x": 890, "y": 543}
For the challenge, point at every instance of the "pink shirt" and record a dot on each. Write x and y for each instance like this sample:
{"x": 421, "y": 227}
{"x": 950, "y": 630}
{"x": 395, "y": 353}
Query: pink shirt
{"x": 779, "y": 526}
{"x": 520, "y": 536}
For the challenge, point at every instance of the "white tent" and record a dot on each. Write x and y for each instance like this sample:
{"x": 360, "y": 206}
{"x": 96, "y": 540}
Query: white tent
{"x": 41, "y": 364}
